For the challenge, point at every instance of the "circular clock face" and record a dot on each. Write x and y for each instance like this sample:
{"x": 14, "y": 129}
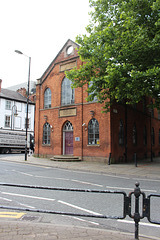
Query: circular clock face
{"x": 69, "y": 50}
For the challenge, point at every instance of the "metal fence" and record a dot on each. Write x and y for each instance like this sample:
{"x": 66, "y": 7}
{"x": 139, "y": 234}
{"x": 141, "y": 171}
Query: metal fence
{"x": 130, "y": 208}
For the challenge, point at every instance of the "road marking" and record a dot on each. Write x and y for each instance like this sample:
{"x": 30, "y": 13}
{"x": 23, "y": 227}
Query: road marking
{"x": 82, "y": 209}
{"x": 72, "y": 180}
{"x": 88, "y": 183}
{"x": 131, "y": 189}
{"x": 28, "y": 196}
{"x": 11, "y": 215}
{"x": 141, "y": 223}
{"x": 65, "y": 179}
{"x": 25, "y": 205}
{"x": 82, "y": 220}
{"x": 27, "y": 174}
{"x": 6, "y": 199}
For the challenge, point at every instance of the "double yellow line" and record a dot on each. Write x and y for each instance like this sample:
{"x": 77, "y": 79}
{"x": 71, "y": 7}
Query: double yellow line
{"x": 11, "y": 215}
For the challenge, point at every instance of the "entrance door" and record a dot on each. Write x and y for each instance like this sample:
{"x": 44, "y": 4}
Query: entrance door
{"x": 68, "y": 138}
{"x": 68, "y": 143}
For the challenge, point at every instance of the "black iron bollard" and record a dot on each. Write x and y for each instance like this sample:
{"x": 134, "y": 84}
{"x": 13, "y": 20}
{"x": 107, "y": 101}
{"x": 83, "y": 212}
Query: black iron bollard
{"x": 137, "y": 193}
{"x": 109, "y": 159}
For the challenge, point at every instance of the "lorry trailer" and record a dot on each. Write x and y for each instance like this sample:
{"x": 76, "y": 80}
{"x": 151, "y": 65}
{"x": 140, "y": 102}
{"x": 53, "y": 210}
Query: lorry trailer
{"x": 12, "y": 140}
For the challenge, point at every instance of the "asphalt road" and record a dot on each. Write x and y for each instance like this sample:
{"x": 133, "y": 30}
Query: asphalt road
{"x": 74, "y": 202}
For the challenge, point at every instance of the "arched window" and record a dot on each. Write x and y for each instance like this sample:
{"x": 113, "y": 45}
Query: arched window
{"x": 152, "y": 136}
{"x": 91, "y": 92}
{"x": 47, "y": 98}
{"x": 67, "y": 93}
{"x": 68, "y": 126}
{"x": 145, "y": 135}
{"x": 46, "y": 133}
{"x": 134, "y": 134}
{"x": 121, "y": 133}
{"x": 93, "y": 132}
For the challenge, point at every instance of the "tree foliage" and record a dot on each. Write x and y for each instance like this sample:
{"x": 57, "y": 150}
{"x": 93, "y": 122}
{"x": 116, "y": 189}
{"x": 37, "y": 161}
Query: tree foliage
{"x": 121, "y": 51}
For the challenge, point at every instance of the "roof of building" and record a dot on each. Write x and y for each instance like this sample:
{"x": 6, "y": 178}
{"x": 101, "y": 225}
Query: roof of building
{"x": 13, "y": 95}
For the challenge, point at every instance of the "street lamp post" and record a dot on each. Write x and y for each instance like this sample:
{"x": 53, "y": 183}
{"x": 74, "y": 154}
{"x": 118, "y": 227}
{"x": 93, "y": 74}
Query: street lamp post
{"x": 26, "y": 125}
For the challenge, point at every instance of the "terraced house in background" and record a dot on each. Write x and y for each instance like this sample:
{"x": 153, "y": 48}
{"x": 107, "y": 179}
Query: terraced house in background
{"x": 13, "y": 106}
{"x": 67, "y": 125}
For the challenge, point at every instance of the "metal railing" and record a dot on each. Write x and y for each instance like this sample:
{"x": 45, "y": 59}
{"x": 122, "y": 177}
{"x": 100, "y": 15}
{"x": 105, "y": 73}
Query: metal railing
{"x": 127, "y": 204}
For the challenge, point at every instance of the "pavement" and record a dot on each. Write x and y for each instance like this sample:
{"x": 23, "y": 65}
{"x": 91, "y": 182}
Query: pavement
{"x": 44, "y": 231}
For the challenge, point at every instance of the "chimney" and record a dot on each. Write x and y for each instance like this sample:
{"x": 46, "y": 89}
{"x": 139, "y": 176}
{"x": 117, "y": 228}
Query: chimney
{"x": 0, "y": 84}
{"x": 22, "y": 91}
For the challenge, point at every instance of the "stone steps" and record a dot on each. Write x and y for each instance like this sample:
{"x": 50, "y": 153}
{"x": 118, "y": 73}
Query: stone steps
{"x": 65, "y": 158}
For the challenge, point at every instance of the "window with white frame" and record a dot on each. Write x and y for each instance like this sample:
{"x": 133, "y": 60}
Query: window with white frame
{"x": 8, "y": 105}
{"x": 67, "y": 93}
{"x": 93, "y": 132}
{"x": 7, "y": 121}
{"x": 19, "y": 106}
{"x": 18, "y": 122}
{"x": 47, "y": 98}
{"x": 46, "y": 133}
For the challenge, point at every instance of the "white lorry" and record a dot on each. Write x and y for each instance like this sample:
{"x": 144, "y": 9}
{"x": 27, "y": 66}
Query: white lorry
{"x": 12, "y": 140}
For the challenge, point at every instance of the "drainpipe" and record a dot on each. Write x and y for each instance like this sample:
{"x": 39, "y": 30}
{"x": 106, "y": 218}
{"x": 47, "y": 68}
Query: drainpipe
{"x": 126, "y": 132}
{"x": 39, "y": 119}
{"x": 82, "y": 126}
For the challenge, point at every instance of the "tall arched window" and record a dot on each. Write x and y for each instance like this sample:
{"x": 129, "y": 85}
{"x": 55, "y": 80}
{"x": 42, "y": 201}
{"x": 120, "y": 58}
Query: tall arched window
{"x": 67, "y": 93}
{"x": 47, "y": 98}
{"x": 153, "y": 136}
{"x": 145, "y": 135}
{"x": 91, "y": 92}
{"x": 46, "y": 133}
{"x": 134, "y": 134}
{"x": 121, "y": 133}
{"x": 93, "y": 132}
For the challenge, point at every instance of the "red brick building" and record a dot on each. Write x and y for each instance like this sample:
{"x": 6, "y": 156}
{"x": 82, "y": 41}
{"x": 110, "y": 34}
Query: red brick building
{"x": 66, "y": 124}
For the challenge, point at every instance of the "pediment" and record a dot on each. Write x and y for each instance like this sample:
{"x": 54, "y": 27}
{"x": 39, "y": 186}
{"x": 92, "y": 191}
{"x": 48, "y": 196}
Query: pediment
{"x": 65, "y": 55}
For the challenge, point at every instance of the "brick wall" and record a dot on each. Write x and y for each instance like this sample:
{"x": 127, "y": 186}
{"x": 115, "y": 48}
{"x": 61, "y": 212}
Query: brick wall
{"x": 140, "y": 119}
{"x": 79, "y": 114}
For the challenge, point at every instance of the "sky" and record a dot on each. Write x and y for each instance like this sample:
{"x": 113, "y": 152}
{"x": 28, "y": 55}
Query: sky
{"x": 39, "y": 29}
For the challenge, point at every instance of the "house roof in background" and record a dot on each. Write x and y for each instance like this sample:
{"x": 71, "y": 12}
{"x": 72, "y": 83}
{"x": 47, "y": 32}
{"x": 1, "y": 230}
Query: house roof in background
{"x": 13, "y": 95}
{"x": 23, "y": 85}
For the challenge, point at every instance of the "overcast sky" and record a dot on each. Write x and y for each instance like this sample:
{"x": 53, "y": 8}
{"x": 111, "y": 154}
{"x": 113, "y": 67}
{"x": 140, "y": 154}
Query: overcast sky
{"x": 39, "y": 29}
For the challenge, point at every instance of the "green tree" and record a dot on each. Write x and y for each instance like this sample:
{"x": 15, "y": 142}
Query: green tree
{"x": 121, "y": 52}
